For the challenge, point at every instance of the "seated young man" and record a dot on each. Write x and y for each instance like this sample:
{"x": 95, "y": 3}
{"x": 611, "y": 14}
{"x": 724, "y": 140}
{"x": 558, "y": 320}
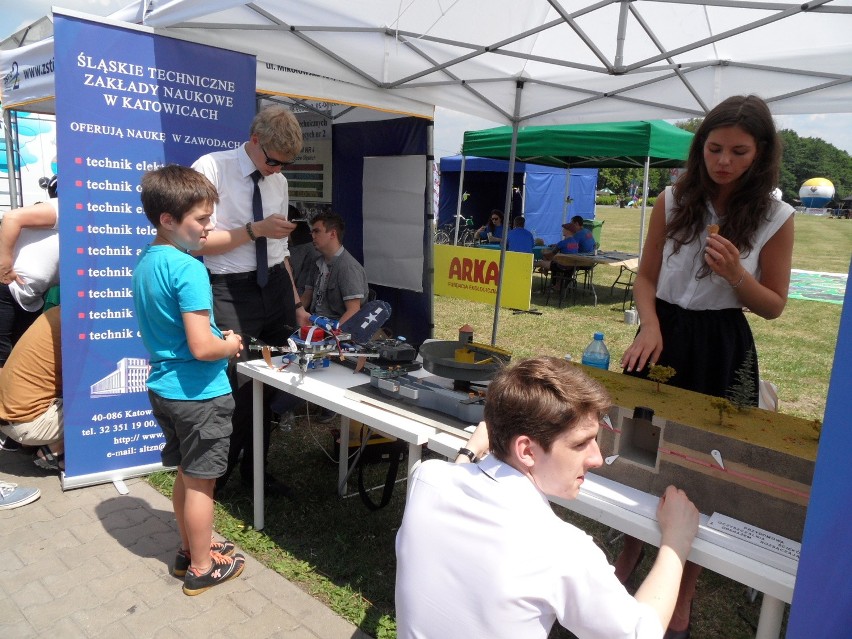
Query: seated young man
{"x": 337, "y": 286}
{"x": 480, "y": 552}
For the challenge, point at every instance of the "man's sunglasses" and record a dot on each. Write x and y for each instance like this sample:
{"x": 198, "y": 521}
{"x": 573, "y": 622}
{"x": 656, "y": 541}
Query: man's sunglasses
{"x": 272, "y": 161}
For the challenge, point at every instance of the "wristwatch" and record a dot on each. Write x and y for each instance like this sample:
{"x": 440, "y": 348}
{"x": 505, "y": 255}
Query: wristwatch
{"x": 469, "y": 454}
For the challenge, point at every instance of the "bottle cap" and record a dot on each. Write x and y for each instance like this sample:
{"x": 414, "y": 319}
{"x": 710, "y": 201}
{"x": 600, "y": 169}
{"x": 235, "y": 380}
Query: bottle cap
{"x": 599, "y": 335}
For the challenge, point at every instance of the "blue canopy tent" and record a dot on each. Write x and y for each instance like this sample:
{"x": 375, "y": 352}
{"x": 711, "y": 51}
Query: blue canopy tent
{"x": 541, "y": 188}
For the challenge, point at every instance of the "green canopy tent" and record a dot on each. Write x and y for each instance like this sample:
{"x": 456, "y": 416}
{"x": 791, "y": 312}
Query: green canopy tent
{"x": 646, "y": 143}
{"x": 641, "y": 143}
{"x": 604, "y": 145}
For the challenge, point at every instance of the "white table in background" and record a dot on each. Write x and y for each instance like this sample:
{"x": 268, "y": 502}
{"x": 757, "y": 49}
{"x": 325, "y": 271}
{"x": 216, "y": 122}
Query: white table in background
{"x": 634, "y": 513}
{"x": 326, "y": 387}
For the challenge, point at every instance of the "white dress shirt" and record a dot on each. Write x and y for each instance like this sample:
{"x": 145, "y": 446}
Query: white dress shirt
{"x": 677, "y": 284}
{"x": 230, "y": 172}
{"x": 480, "y": 553}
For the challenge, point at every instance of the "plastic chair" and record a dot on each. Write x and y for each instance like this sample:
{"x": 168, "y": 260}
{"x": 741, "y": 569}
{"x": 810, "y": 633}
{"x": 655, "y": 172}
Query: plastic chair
{"x": 544, "y": 276}
{"x": 630, "y": 274}
{"x": 562, "y": 280}
{"x": 587, "y": 272}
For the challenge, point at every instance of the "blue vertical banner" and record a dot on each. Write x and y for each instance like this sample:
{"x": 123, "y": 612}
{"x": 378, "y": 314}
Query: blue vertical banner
{"x": 822, "y": 599}
{"x": 127, "y": 101}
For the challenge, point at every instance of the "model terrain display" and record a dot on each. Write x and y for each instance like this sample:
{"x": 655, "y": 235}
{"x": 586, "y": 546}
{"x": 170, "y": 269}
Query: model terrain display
{"x": 750, "y": 464}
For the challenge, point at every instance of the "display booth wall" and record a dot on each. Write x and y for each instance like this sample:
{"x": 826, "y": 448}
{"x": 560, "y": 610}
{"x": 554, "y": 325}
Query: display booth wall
{"x": 351, "y": 143}
{"x": 543, "y": 189}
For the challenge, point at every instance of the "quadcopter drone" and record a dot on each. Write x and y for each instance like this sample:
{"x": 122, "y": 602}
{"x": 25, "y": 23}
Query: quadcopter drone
{"x": 312, "y": 346}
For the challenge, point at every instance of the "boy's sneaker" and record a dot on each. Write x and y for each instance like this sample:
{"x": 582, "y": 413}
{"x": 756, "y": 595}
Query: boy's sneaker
{"x": 223, "y": 569}
{"x": 182, "y": 558}
{"x": 11, "y": 496}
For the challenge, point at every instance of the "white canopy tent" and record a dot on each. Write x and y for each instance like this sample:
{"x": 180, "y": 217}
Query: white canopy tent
{"x": 531, "y": 63}
{"x": 576, "y": 62}
{"x": 535, "y": 62}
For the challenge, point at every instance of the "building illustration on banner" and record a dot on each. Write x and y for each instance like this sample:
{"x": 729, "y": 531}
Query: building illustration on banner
{"x": 128, "y": 377}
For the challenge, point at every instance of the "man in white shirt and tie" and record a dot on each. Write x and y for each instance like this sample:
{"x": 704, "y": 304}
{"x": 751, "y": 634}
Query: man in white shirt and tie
{"x": 253, "y": 290}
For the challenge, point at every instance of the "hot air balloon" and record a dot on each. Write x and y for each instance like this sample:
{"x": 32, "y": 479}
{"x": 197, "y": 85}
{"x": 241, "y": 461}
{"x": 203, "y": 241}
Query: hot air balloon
{"x": 816, "y": 193}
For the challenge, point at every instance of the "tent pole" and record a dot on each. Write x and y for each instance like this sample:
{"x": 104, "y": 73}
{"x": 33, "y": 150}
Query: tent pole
{"x": 10, "y": 158}
{"x": 565, "y": 203}
{"x": 644, "y": 203}
{"x": 429, "y": 266}
{"x": 509, "y": 184}
{"x": 458, "y": 205}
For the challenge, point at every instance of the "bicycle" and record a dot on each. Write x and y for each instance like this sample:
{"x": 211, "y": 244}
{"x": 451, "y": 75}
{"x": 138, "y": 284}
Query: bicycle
{"x": 446, "y": 233}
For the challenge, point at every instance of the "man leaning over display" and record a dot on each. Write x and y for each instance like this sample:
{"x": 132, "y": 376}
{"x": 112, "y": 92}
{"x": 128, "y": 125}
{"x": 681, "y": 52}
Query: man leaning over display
{"x": 481, "y": 553}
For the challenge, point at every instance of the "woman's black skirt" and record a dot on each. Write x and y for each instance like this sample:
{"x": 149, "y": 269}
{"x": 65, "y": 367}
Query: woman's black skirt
{"x": 709, "y": 351}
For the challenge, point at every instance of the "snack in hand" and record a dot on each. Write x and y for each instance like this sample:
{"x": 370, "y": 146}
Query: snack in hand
{"x": 712, "y": 228}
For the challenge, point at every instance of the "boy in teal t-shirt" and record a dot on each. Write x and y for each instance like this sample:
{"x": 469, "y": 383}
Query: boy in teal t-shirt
{"x": 187, "y": 385}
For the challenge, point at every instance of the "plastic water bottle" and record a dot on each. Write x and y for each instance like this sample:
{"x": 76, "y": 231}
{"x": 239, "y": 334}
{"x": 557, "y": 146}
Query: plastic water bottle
{"x": 596, "y": 353}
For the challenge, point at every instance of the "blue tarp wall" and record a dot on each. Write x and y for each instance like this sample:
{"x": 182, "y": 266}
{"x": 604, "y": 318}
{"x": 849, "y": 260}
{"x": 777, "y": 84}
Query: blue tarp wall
{"x": 544, "y": 186}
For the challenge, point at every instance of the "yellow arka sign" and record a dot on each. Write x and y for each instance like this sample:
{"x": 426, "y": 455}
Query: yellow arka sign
{"x": 473, "y": 273}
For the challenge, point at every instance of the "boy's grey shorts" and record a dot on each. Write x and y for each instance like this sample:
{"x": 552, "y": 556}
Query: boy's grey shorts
{"x": 197, "y": 433}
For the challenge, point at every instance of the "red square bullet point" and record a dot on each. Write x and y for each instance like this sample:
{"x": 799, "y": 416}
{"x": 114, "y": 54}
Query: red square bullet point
{"x": 81, "y": 315}
{"x": 80, "y": 250}
{"x": 81, "y": 293}
{"x": 80, "y": 271}
{"x": 82, "y": 336}
{"x": 78, "y": 160}
{"x": 79, "y": 229}
{"x": 79, "y": 207}
{"x": 79, "y": 183}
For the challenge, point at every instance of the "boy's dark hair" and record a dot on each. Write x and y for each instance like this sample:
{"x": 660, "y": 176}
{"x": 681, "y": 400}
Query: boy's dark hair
{"x": 331, "y": 221}
{"x": 542, "y": 398}
{"x": 175, "y": 189}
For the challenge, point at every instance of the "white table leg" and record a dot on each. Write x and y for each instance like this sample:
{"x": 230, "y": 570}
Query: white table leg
{"x": 343, "y": 461}
{"x": 414, "y": 455}
{"x": 771, "y": 616}
{"x": 257, "y": 446}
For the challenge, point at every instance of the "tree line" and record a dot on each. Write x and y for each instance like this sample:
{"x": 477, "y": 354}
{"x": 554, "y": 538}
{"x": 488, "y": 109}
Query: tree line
{"x": 802, "y": 159}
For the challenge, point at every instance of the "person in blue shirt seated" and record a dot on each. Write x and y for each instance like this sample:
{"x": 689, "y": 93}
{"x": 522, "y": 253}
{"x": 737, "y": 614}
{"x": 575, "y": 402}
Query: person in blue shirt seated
{"x": 520, "y": 240}
{"x": 583, "y": 236}
{"x": 492, "y": 231}
{"x": 566, "y": 245}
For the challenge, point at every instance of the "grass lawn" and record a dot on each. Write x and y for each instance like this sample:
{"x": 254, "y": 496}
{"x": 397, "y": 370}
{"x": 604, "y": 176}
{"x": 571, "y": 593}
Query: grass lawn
{"x": 343, "y": 553}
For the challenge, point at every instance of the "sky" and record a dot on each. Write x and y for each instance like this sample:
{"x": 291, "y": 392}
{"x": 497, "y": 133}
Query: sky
{"x": 834, "y": 128}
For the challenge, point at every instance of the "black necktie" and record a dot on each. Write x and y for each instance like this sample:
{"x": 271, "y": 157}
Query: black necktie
{"x": 259, "y": 243}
